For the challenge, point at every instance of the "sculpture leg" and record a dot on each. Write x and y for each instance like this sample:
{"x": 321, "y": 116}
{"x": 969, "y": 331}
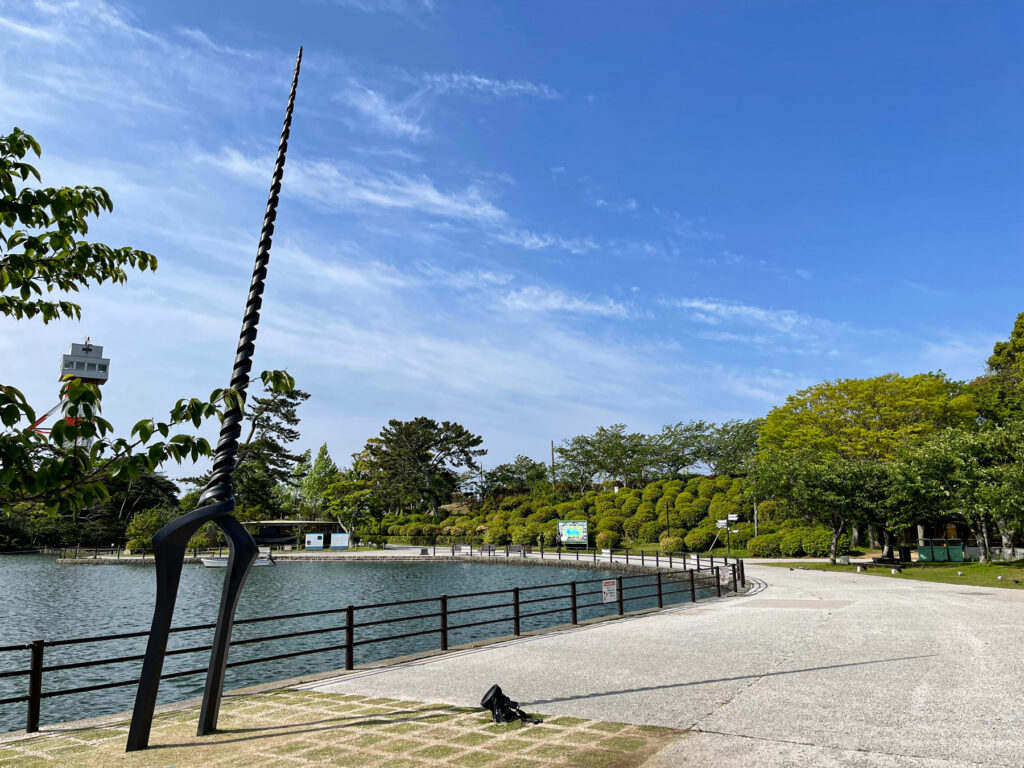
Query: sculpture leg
{"x": 169, "y": 558}
{"x": 242, "y": 554}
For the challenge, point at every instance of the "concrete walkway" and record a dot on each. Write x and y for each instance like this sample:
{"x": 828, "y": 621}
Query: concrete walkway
{"x": 813, "y": 668}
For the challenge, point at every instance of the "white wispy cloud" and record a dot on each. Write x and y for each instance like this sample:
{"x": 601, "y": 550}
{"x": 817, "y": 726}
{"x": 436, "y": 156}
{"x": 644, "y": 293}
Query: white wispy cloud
{"x": 467, "y": 82}
{"x": 389, "y": 118}
{"x": 388, "y": 6}
{"x": 716, "y": 311}
{"x": 464, "y": 279}
{"x": 350, "y": 187}
{"x": 534, "y": 241}
{"x": 536, "y": 299}
{"x": 197, "y": 35}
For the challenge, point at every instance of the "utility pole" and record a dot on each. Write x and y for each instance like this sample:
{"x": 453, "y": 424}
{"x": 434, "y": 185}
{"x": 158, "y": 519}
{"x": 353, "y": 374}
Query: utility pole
{"x": 552, "y": 464}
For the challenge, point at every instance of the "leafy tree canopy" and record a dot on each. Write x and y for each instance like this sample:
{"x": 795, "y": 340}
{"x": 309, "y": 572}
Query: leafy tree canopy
{"x": 42, "y": 259}
{"x": 866, "y": 418}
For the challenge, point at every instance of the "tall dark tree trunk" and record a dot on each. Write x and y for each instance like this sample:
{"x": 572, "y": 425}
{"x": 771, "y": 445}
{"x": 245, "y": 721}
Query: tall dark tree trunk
{"x": 855, "y": 536}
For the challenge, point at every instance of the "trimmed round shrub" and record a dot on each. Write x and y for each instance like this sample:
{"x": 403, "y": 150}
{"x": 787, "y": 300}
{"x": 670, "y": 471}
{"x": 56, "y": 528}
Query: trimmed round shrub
{"x": 653, "y": 492}
{"x": 700, "y": 539}
{"x": 816, "y": 542}
{"x": 766, "y": 545}
{"x": 520, "y": 535}
{"x": 689, "y": 514}
{"x": 791, "y": 543}
{"x": 611, "y": 524}
{"x": 608, "y": 539}
{"x": 630, "y": 506}
{"x": 744, "y": 533}
{"x": 672, "y": 544}
{"x": 705, "y": 488}
{"x": 496, "y": 535}
{"x": 632, "y": 528}
{"x": 650, "y": 532}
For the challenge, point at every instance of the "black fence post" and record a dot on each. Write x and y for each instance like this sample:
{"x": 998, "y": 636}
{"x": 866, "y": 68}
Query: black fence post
{"x": 35, "y": 687}
{"x": 559, "y": 551}
{"x": 577, "y": 553}
{"x": 444, "y": 622}
{"x": 595, "y": 554}
{"x": 642, "y": 557}
{"x": 506, "y": 551}
{"x": 611, "y": 555}
{"x": 349, "y": 632}
{"x": 670, "y": 560}
{"x": 572, "y": 601}
{"x": 542, "y": 549}
{"x": 618, "y": 585}
{"x": 627, "y": 555}
{"x": 661, "y": 600}
{"x": 515, "y": 611}
{"x": 743, "y": 574}
{"x": 657, "y": 559}
{"x": 698, "y": 561}
{"x": 733, "y": 567}
{"x": 718, "y": 581}
{"x": 693, "y": 588}
{"x": 712, "y": 562}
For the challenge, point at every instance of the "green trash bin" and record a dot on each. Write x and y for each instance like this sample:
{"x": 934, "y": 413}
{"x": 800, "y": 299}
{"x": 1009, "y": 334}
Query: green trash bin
{"x": 924, "y": 550}
{"x": 955, "y": 549}
{"x": 940, "y": 554}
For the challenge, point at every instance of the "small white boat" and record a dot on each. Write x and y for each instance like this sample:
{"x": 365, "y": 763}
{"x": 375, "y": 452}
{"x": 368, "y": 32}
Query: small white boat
{"x": 222, "y": 562}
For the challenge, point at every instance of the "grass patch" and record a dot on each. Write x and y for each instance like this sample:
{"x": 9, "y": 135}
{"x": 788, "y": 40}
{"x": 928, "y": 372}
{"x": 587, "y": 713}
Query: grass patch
{"x": 974, "y": 574}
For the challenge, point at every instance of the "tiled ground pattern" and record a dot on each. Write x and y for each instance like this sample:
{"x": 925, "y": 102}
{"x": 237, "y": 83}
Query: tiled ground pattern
{"x": 299, "y": 728}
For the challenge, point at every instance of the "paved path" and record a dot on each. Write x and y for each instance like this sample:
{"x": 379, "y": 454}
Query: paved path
{"x": 814, "y": 668}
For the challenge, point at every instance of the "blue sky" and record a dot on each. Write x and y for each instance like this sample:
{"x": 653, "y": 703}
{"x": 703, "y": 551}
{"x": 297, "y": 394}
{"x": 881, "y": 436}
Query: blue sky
{"x": 532, "y": 218}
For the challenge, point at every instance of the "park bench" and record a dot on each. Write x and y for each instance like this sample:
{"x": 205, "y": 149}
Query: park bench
{"x": 488, "y": 548}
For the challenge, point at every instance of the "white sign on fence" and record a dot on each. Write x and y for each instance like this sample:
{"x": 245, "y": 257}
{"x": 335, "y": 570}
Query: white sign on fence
{"x": 609, "y": 591}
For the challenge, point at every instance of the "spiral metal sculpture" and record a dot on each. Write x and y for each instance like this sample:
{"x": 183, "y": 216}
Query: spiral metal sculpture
{"x": 216, "y": 504}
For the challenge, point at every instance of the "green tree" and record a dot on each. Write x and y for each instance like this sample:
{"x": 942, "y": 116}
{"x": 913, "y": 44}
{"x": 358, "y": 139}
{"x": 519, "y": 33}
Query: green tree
{"x": 1000, "y": 392}
{"x": 315, "y": 486}
{"x": 522, "y": 475}
{"x": 419, "y": 456}
{"x": 729, "y": 448}
{"x": 577, "y": 461}
{"x": 678, "y": 447}
{"x": 43, "y": 255}
{"x": 866, "y": 418}
{"x": 969, "y": 474}
{"x": 834, "y": 491}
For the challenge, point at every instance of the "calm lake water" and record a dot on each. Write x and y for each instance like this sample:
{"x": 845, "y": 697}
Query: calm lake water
{"x": 40, "y": 600}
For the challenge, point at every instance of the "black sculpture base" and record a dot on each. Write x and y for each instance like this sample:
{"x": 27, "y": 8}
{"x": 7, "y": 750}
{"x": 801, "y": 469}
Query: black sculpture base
{"x": 169, "y": 546}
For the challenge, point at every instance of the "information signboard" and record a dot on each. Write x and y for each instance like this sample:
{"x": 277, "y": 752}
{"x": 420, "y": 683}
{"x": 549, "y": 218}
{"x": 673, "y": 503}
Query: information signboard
{"x": 609, "y": 591}
{"x": 572, "y": 532}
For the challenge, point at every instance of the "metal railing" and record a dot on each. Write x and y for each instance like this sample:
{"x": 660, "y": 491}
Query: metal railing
{"x": 510, "y": 605}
